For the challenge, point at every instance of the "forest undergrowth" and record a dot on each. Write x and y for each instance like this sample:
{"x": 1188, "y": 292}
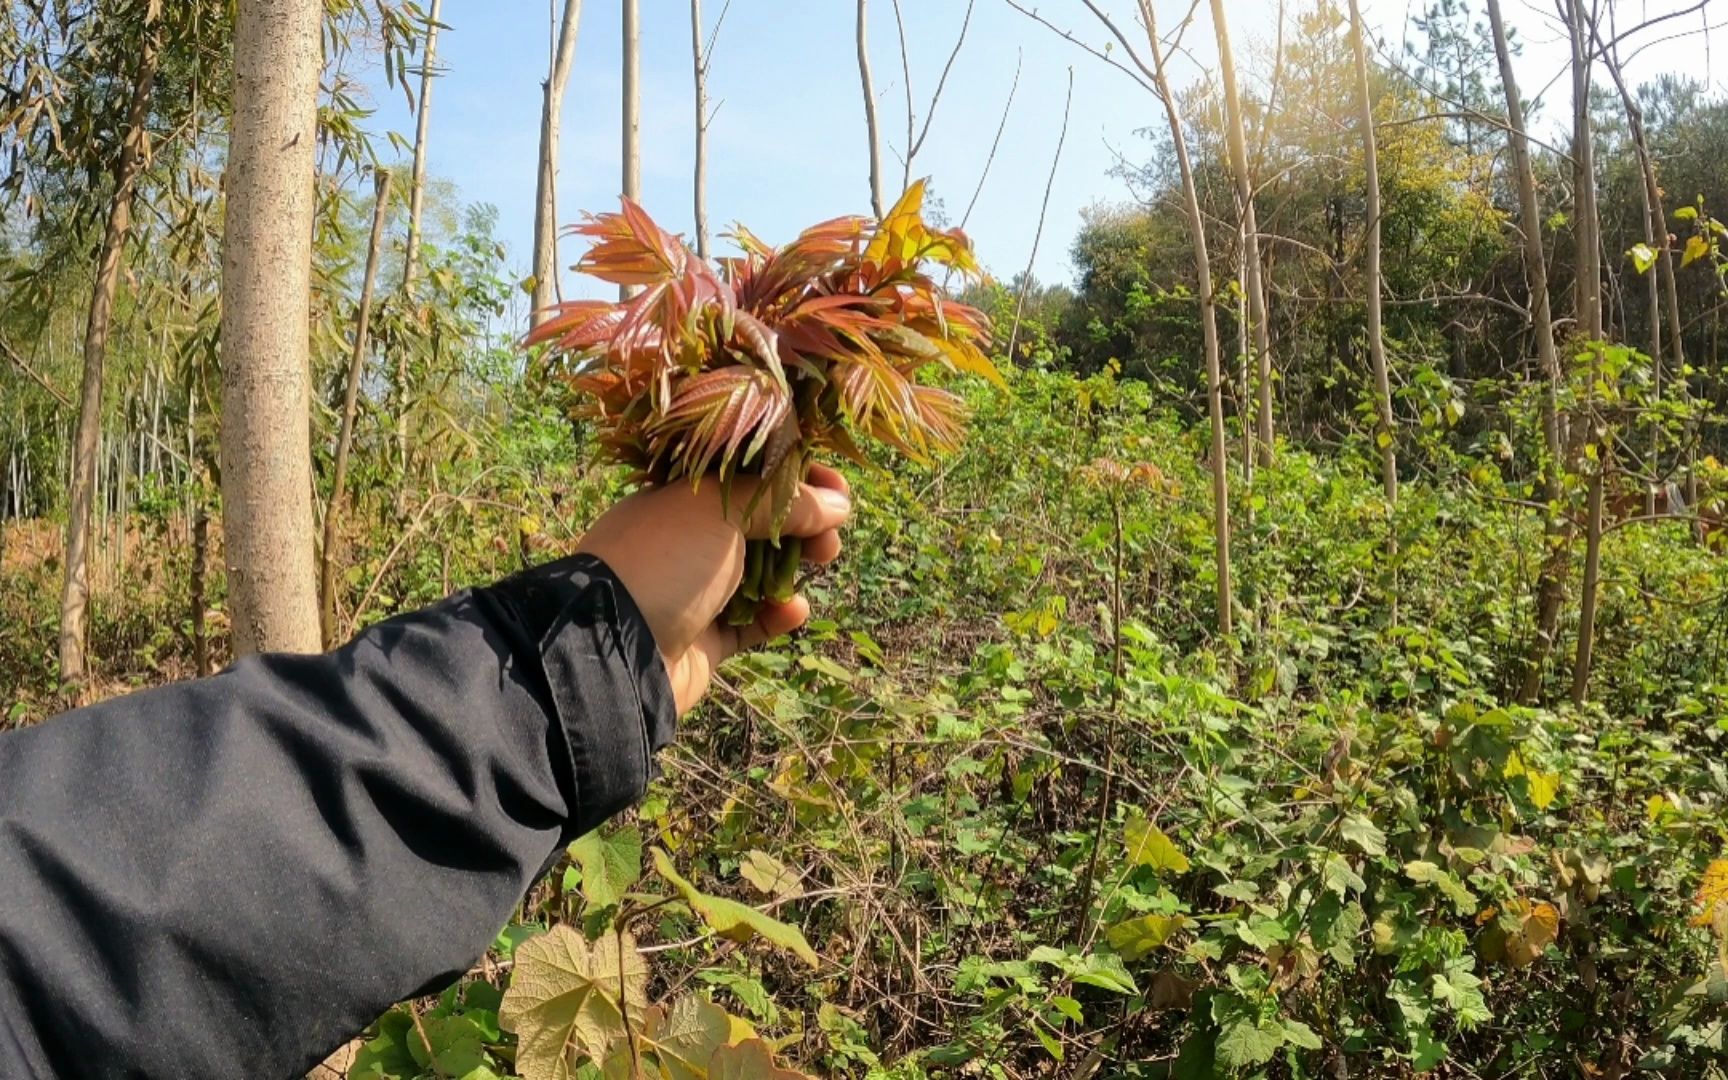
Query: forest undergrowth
{"x": 1010, "y": 808}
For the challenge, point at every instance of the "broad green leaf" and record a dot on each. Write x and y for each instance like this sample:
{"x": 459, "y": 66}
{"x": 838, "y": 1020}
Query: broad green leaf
{"x": 610, "y": 864}
{"x": 1052, "y": 1045}
{"x": 1463, "y": 900}
{"x": 1296, "y": 1033}
{"x": 1135, "y": 938}
{"x": 735, "y": 921}
{"x": 1643, "y": 257}
{"x": 1245, "y": 1041}
{"x": 1148, "y": 846}
{"x": 456, "y": 1045}
{"x": 387, "y": 1056}
{"x": 1686, "y": 213}
{"x": 1095, "y": 969}
{"x": 770, "y": 876}
{"x": 1366, "y": 835}
{"x": 566, "y": 992}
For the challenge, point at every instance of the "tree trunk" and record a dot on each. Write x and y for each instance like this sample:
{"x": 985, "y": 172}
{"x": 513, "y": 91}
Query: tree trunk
{"x": 416, "y": 206}
{"x": 632, "y": 115}
{"x": 1551, "y": 584}
{"x": 546, "y": 197}
{"x": 701, "y": 178}
{"x": 876, "y": 202}
{"x": 423, "y": 121}
{"x": 1208, "y": 325}
{"x": 350, "y": 399}
{"x": 1252, "y": 268}
{"x": 266, "y": 309}
{"x": 1589, "y": 258}
{"x": 1373, "y": 285}
{"x": 75, "y": 594}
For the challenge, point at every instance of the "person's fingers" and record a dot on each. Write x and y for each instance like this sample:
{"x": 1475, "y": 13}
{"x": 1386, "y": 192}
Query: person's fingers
{"x": 824, "y": 476}
{"x": 815, "y": 510}
{"x": 773, "y": 621}
{"x": 823, "y": 548}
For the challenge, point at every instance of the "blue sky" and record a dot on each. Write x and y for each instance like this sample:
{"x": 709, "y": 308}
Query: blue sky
{"x": 787, "y": 146}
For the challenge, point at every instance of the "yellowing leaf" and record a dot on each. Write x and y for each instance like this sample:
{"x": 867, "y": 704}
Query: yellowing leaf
{"x": 1135, "y": 938}
{"x": 735, "y": 921}
{"x": 1712, "y": 897}
{"x": 566, "y": 993}
{"x": 1148, "y": 846}
{"x": 752, "y": 1059}
{"x": 1643, "y": 257}
{"x": 770, "y": 876}
{"x": 673, "y": 1044}
{"x": 1537, "y": 926}
{"x": 1544, "y": 786}
{"x": 906, "y": 216}
{"x": 1696, "y": 248}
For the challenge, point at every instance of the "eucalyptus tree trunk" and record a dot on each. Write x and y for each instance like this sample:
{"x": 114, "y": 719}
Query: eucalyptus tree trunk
{"x": 874, "y": 136}
{"x": 422, "y": 125}
{"x": 1208, "y": 323}
{"x": 632, "y": 156}
{"x": 416, "y": 207}
{"x": 75, "y": 594}
{"x": 350, "y": 399}
{"x": 701, "y": 178}
{"x": 546, "y": 197}
{"x": 1252, "y": 268}
{"x": 1589, "y": 258}
{"x": 1374, "y": 282}
{"x": 266, "y": 309}
{"x": 1557, "y": 533}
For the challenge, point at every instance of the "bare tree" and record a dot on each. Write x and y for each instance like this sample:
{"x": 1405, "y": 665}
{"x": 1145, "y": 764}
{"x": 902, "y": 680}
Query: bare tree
{"x": 1154, "y": 77}
{"x": 546, "y": 196}
{"x": 632, "y": 148}
{"x": 422, "y": 123}
{"x": 1374, "y": 283}
{"x": 876, "y": 204}
{"x": 350, "y": 401}
{"x": 1252, "y": 267}
{"x": 75, "y": 595}
{"x": 1044, "y": 210}
{"x": 1587, "y": 230}
{"x": 704, "y": 59}
{"x": 1551, "y": 580}
{"x": 416, "y": 206}
{"x": 265, "y": 346}
{"x": 996, "y": 143}
{"x": 916, "y": 134}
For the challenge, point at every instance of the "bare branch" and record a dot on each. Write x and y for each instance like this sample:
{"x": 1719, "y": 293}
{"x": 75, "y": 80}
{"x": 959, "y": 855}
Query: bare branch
{"x": 1038, "y": 234}
{"x": 1068, "y": 36}
{"x": 1019, "y": 58}
{"x": 930, "y": 113}
{"x": 22, "y": 365}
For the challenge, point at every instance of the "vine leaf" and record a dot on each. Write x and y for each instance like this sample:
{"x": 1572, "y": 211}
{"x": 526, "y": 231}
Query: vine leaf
{"x": 610, "y": 864}
{"x": 1135, "y": 938}
{"x": 751, "y": 1059}
{"x": 1148, "y": 846}
{"x": 735, "y": 921}
{"x": 567, "y": 995}
{"x": 770, "y": 876}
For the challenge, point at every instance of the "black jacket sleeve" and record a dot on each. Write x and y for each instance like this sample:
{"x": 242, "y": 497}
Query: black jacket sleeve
{"x": 230, "y": 877}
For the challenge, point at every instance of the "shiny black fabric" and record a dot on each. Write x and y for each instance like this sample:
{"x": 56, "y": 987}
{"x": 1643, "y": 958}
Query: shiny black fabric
{"x": 231, "y": 877}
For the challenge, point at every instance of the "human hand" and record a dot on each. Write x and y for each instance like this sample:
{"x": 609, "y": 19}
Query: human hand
{"x": 682, "y": 557}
